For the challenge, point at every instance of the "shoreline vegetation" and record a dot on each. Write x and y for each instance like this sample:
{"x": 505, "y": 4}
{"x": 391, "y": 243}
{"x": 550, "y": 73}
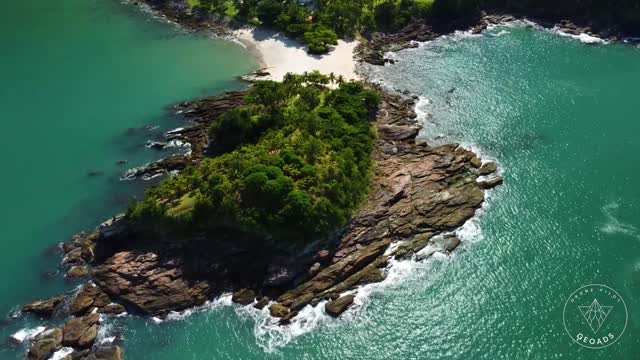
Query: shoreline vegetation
{"x": 218, "y": 227}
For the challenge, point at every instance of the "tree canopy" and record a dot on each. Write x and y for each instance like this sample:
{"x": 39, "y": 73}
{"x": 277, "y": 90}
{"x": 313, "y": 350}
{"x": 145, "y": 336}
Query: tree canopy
{"x": 292, "y": 164}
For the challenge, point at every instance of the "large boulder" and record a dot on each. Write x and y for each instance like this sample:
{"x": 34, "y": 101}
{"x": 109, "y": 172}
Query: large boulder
{"x": 264, "y": 301}
{"x": 42, "y": 349}
{"x": 301, "y": 301}
{"x": 43, "y": 308}
{"x": 89, "y": 297}
{"x": 243, "y": 296}
{"x": 81, "y": 332}
{"x": 45, "y": 344}
{"x": 337, "y": 307}
{"x": 488, "y": 168}
{"x": 278, "y": 310}
{"x": 77, "y": 272}
{"x": 108, "y": 353}
{"x": 491, "y": 182}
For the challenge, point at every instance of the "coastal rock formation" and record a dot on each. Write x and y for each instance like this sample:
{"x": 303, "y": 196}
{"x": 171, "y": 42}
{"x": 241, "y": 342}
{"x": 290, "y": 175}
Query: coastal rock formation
{"x": 148, "y": 283}
{"x": 45, "y": 344}
{"x": 243, "y": 296}
{"x": 419, "y": 194}
{"x": 81, "y": 332}
{"x": 43, "y": 308}
{"x": 89, "y": 298}
{"x": 200, "y": 112}
{"x": 338, "y": 306}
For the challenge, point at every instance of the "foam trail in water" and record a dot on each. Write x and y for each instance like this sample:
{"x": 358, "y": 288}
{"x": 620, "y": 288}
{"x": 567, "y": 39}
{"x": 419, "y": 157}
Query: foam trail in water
{"x": 615, "y": 226}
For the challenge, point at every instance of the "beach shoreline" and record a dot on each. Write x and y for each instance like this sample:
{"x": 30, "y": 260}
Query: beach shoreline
{"x": 278, "y": 54}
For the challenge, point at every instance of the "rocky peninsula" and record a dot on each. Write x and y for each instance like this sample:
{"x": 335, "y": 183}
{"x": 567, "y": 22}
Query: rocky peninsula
{"x": 419, "y": 195}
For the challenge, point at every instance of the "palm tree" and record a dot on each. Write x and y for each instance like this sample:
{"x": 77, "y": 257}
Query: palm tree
{"x": 332, "y": 78}
{"x": 340, "y": 80}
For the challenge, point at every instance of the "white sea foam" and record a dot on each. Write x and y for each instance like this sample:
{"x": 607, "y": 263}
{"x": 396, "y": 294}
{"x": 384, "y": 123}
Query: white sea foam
{"x": 584, "y": 37}
{"x": 223, "y": 300}
{"x": 614, "y": 226}
{"x": 26, "y": 334}
{"x": 270, "y": 335}
{"x": 60, "y": 354}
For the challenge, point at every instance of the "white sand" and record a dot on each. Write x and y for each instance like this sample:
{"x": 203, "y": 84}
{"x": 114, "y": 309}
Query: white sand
{"x": 280, "y": 55}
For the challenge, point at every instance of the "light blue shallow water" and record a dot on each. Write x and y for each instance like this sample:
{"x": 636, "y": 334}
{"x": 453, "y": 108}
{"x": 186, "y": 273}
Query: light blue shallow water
{"x": 559, "y": 116}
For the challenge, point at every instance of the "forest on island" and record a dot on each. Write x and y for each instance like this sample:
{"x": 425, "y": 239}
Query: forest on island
{"x": 291, "y": 164}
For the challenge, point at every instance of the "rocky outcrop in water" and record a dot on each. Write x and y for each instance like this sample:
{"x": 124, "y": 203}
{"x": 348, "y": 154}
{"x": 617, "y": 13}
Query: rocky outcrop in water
{"x": 201, "y": 113}
{"x": 419, "y": 195}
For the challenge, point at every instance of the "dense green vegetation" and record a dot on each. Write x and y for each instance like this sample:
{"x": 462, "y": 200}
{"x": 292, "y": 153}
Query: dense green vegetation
{"x": 291, "y": 164}
{"x": 320, "y": 23}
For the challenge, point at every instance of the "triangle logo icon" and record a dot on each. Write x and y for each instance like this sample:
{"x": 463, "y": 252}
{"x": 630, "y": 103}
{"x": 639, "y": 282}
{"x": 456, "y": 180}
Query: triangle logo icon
{"x": 595, "y": 314}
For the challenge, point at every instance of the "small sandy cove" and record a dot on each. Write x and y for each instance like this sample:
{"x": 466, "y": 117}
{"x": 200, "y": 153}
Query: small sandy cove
{"x": 280, "y": 55}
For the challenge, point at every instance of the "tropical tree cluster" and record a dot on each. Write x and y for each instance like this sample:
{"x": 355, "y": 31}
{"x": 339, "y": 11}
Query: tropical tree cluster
{"x": 291, "y": 164}
{"x": 319, "y": 23}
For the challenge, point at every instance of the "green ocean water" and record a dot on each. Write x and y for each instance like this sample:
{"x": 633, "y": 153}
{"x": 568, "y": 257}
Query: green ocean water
{"x": 79, "y": 81}
{"x": 559, "y": 116}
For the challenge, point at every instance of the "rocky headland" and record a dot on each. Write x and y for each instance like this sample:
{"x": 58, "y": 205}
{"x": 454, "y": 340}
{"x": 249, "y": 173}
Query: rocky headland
{"x": 373, "y": 48}
{"x": 419, "y": 196}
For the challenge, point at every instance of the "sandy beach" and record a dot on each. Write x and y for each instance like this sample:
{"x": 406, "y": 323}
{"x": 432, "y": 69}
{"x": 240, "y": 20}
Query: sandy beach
{"x": 280, "y": 55}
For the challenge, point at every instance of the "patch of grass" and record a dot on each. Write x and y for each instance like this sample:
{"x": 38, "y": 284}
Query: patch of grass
{"x": 186, "y": 205}
{"x": 193, "y": 3}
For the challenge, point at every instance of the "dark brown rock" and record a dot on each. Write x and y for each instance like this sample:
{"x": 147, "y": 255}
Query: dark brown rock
{"x": 149, "y": 284}
{"x": 278, "y": 310}
{"x": 112, "y": 309}
{"x": 286, "y": 320}
{"x": 491, "y": 182}
{"x": 77, "y": 272}
{"x": 301, "y": 301}
{"x": 45, "y": 343}
{"x": 243, "y": 296}
{"x": 42, "y": 349}
{"x": 264, "y": 301}
{"x": 88, "y": 297}
{"x": 81, "y": 332}
{"x": 338, "y": 306}
{"x": 108, "y": 353}
{"x": 43, "y": 307}
{"x": 488, "y": 168}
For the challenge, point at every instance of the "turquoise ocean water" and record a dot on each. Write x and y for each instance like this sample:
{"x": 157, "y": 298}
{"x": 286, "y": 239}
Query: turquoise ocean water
{"x": 559, "y": 116}
{"x": 80, "y": 79}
